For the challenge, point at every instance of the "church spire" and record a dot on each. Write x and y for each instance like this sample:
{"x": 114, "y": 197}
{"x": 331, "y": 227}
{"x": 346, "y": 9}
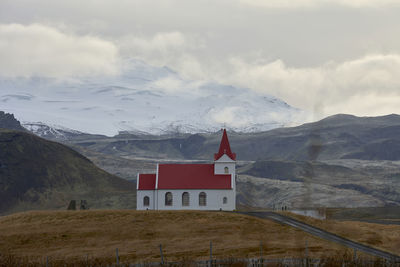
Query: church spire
{"x": 225, "y": 148}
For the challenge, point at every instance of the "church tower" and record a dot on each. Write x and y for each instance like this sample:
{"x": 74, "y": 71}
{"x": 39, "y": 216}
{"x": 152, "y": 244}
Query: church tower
{"x": 225, "y": 160}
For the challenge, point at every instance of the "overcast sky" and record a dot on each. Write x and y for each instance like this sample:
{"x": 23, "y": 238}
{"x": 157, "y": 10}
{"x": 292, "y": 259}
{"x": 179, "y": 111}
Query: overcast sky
{"x": 327, "y": 56}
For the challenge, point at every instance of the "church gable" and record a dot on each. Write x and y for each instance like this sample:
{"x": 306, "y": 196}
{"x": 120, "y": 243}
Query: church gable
{"x": 225, "y": 158}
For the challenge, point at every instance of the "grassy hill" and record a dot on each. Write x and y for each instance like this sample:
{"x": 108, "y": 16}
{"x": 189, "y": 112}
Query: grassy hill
{"x": 40, "y": 174}
{"x": 184, "y": 235}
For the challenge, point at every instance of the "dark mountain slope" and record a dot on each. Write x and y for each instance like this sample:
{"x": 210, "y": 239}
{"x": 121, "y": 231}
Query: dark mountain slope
{"x": 340, "y": 136}
{"x": 336, "y": 137}
{"x": 40, "y": 174}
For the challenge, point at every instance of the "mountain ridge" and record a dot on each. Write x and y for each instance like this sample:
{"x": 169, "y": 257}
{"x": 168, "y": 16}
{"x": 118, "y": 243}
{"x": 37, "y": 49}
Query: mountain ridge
{"x": 335, "y": 137}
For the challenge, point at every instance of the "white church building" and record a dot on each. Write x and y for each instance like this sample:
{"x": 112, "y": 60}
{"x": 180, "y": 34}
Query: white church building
{"x": 191, "y": 186}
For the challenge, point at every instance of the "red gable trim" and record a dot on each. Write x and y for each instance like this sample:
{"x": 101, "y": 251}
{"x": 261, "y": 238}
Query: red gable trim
{"x": 147, "y": 182}
{"x": 191, "y": 176}
{"x": 224, "y": 148}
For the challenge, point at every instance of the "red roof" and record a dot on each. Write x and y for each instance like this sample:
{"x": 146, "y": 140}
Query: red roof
{"x": 224, "y": 148}
{"x": 147, "y": 182}
{"x": 191, "y": 176}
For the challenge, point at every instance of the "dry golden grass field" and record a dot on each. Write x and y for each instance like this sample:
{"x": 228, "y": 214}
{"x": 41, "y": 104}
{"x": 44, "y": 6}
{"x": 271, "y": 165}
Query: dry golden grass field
{"x": 71, "y": 235}
{"x": 385, "y": 237}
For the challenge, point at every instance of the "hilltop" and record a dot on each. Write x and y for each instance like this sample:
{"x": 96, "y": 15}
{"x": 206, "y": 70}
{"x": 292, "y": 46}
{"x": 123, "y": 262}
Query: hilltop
{"x": 40, "y": 174}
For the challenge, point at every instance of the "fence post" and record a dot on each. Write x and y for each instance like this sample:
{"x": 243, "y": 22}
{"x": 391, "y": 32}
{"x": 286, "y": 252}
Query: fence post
{"x": 210, "y": 264}
{"x": 307, "y": 253}
{"x": 116, "y": 255}
{"x": 355, "y": 255}
{"x": 161, "y": 254}
{"x": 261, "y": 253}
{"x": 47, "y": 261}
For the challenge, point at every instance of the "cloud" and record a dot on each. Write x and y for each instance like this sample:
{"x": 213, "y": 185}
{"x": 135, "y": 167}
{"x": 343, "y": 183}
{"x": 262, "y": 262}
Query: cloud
{"x": 161, "y": 47}
{"x": 366, "y": 86}
{"x": 169, "y": 84}
{"x": 230, "y": 115}
{"x": 165, "y": 48}
{"x": 39, "y": 50}
{"x": 319, "y": 3}
{"x": 161, "y": 43}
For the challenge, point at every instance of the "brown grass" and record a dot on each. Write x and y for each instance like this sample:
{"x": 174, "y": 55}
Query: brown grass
{"x": 75, "y": 235}
{"x": 385, "y": 237}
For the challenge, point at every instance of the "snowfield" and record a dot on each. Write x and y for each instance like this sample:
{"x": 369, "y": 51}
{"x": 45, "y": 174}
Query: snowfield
{"x": 142, "y": 98}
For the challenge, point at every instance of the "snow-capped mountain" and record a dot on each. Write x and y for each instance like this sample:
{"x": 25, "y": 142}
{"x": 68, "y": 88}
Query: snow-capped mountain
{"x": 53, "y": 132}
{"x": 141, "y": 98}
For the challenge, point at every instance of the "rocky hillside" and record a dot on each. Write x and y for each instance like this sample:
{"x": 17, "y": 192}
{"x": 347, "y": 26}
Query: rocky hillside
{"x": 40, "y": 174}
{"x": 8, "y": 121}
{"x": 337, "y": 183}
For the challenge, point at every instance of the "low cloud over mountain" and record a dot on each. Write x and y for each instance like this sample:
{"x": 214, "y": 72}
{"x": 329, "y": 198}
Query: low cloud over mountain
{"x": 143, "y": 98}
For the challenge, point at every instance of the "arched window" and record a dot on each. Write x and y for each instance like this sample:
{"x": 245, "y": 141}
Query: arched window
{"x": 226, "y": 170}
{"x": 225, "y": 200}
{"x": 202, "y": 199}
{"x": 168, "y": 199}
{"x": 146, "y": 201}
{"x": 185, "y": 199}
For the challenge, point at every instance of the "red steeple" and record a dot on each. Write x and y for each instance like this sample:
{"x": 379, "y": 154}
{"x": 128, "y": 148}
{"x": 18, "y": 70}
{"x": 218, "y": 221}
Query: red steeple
{"x": 224, "y": 148}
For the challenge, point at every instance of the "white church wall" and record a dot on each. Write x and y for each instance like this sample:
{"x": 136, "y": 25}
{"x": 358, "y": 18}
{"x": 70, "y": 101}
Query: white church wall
{"x": 214, "y": 196}
{"x": 140, "y": 197}
{"x": 214, "y": 199}
{"x": 219, "y": 167}
{"x": 224, "y": 161}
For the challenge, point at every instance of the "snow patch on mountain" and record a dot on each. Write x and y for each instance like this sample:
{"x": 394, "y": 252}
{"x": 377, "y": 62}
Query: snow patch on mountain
{"x": 53, "y": 132}
{"x": 142, "y": 98}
